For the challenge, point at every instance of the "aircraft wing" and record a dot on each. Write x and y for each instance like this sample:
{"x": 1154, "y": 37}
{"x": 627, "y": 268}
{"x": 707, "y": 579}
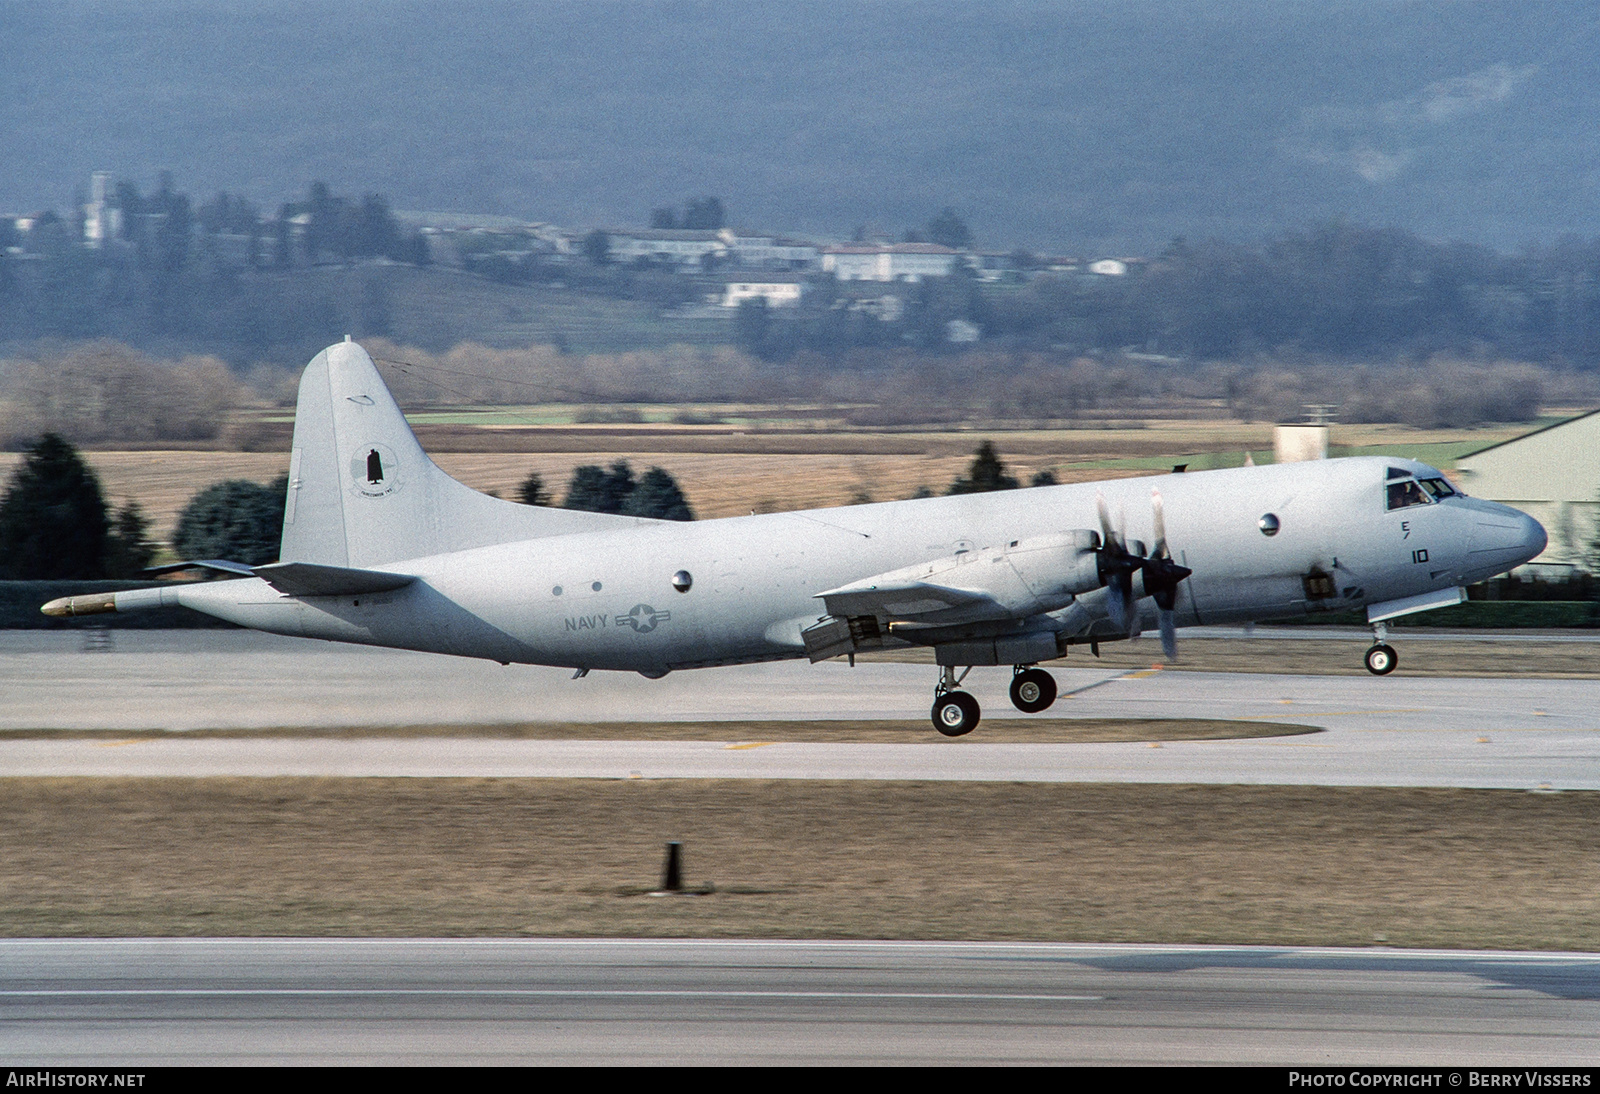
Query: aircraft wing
{"x": 311, "y": 579}
{"x": 907, "y": 600}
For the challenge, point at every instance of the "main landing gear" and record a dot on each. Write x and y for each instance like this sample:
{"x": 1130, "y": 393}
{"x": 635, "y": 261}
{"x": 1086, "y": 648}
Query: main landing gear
{"x": 1032, "y": 689}
{"x": 1381, "y": 658}
{"x": 956, "y": 713}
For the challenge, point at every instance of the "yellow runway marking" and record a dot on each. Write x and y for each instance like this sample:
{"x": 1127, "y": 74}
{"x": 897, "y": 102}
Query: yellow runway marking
{"x": 1341, "y": 713}
{"x": 748, "y": 744}
{"x": 119, "y": 744}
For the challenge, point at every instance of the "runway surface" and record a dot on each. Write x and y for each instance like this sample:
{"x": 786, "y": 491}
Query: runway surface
{"x": 132, "y": 1003}
{"x": 1533, "y": 734}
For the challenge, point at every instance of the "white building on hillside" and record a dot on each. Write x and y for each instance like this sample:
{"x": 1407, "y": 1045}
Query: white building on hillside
{"x": 887, "y": 261}
{"x": 778, "y": 292}
{"x": 758, "y": 252}
{"x": 669, "y": 246}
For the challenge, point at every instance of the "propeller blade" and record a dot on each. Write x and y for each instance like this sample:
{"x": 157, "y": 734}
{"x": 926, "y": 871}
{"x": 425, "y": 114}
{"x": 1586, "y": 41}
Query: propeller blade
{"x": 1107, "y": 532}
{"x": 1169, "y": 634}
{"x": 1158, "y": 517}
{"x": 1119, "y": 601}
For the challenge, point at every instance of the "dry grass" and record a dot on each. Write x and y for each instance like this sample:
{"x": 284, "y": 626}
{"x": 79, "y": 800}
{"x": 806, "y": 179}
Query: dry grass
{"x": 1192, "y": 864}
{"x": 718, "y": 485}
{"x": 726, "y": 472}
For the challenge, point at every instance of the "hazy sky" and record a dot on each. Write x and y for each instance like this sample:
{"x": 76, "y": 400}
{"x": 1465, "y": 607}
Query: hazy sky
{"x": 1094, "y": 125}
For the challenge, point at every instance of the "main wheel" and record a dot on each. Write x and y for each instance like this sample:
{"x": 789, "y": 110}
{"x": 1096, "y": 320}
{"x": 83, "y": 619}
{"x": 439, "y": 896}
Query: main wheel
{"x": 955, "y": 713}
{"x": 1381, "y": 660}
{"x": 1033, "y": 690}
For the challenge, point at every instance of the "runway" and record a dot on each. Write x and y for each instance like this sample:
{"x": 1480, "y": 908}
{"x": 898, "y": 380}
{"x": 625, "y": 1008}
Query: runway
{"x": 1533, "y": 734}
{"x": 133, "y": 1003}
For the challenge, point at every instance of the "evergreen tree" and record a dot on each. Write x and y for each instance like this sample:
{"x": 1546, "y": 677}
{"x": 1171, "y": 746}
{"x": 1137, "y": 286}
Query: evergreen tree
{"x": 658, "y": 495}
{"x": 598, "y": 491}
{"x": 53, "y": 517}
{"x": 128, "y": 547}
{"x": 237, "y": 520}
{"x": 597, "y": 248}
{"x": 950, "y": 230}
{"x": 984, "y": 474}
{"x": 704, "y": 214}
{"x": 531, "y": 491}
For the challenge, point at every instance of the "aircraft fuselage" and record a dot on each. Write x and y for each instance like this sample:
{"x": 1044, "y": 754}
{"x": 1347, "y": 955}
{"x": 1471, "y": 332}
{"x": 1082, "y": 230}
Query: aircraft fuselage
{"x": 606, "y": 600}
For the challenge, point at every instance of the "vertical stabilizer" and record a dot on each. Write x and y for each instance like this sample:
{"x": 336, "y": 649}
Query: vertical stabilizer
{"x": 363, "y": 493}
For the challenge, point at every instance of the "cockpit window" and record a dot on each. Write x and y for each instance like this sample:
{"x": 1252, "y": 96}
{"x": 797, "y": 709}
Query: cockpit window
{"x": 1398, "y": 473}
{"x": 1406, "y": 493}
{"x": 1438, "y": 488}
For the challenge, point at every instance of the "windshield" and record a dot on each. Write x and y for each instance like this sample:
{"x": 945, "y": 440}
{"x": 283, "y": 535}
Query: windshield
{"x": 1405, "y": 493}
{"x": 1404, "y": 490}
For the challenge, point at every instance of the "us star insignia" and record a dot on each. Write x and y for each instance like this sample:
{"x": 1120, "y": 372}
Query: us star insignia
{"x": 643, "y": 618}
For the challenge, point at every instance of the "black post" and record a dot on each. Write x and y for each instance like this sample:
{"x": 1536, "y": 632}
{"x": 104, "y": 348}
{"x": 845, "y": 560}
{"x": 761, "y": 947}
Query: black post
{"x": 672, "y": 870}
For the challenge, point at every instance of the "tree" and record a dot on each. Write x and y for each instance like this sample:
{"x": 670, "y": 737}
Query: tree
{"x": 1046, "y": 477}
{"x": 949, "y": 230}
{"x": 665, "y": 218}
{"x": 597, "y": 247}
{"x": 705, "y": 214}
{"x": 128, "y": 546}
{"x": 984, "y": 474}
{"x": 237, "y": 520}
{"x": 53, "y": 517}
{"x": 752, "y": 323}
{"x": 658, "y": 495}
{"x": 596, "y": 491}
{"x": 532, "y": 491}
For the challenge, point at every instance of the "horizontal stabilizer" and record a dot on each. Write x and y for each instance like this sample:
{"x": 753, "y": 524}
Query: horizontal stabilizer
{"x": 311, "y": 579}
{"x": 221, "y": 565}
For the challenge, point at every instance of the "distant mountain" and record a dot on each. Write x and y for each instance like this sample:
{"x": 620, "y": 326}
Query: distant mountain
{"x": 1093, "y": 126}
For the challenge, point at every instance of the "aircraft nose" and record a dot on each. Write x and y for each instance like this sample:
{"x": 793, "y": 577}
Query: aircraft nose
{"x": 1503, "y": 538}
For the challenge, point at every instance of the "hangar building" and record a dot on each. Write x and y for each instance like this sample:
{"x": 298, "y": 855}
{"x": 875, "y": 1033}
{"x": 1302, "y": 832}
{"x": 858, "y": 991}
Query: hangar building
{"x": 1553, "y": 475}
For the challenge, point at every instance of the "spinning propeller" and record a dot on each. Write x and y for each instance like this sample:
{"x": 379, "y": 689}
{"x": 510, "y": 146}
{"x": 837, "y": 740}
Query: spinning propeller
{"x": 1120, "y": 559}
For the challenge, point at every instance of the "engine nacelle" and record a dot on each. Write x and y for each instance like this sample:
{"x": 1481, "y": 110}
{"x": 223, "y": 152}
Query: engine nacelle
{"x": 1012, "y": 581}
{"x": 1055, "y": 569}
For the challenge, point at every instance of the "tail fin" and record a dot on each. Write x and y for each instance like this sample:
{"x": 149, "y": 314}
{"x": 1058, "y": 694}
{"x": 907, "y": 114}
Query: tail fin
{"x": 363, "y": 493}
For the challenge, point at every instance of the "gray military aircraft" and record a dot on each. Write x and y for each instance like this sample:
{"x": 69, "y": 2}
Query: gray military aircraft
{"x": 382, "y": 547}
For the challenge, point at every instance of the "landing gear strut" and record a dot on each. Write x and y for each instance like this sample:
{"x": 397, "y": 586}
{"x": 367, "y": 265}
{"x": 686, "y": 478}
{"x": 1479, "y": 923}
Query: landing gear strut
{"x": 1032, "y": 689}
{"x": 1381, "y": 658}
{"x": 955, "y": 713}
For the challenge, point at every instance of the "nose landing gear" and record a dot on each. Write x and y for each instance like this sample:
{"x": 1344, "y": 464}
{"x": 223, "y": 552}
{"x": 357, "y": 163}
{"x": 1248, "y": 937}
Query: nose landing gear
{"x": 1381, "y": 658}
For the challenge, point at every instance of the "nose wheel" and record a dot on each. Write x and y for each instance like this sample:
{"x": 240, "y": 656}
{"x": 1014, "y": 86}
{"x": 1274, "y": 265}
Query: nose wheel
{"x": 1032, "y": 689}
{"x": 1381, "y": 658}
